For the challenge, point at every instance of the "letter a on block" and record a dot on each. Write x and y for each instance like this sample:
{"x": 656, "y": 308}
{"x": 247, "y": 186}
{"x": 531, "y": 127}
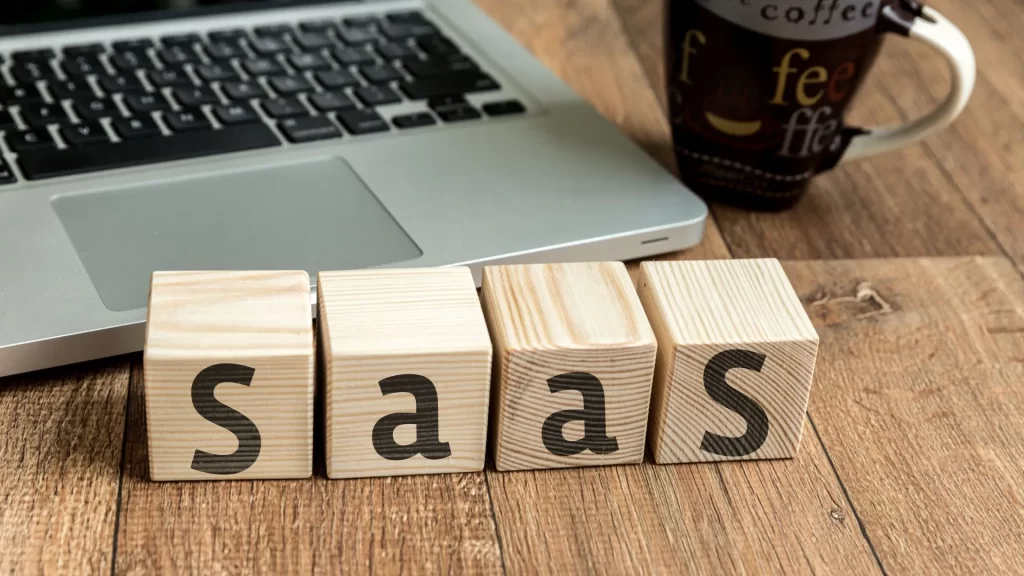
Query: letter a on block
{"x": 229, "y": 376}
{"x": 574, "y": 361}
{"x": 407, "y": 363}
{"x": 735, "y": 362}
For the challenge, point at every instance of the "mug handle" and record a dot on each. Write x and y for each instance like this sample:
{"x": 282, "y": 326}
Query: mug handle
{"x": 928, "y": 26}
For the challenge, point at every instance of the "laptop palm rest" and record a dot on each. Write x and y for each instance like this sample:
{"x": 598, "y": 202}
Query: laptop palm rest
{"x": 314, "y": 215}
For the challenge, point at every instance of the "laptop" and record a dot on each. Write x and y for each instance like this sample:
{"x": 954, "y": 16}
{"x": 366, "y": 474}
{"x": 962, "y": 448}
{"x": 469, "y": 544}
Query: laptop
{"x": 203, "y": 135}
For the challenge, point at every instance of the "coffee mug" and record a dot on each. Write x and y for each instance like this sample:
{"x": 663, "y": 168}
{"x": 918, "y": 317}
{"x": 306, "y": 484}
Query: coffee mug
{"x": 757, "y": 89}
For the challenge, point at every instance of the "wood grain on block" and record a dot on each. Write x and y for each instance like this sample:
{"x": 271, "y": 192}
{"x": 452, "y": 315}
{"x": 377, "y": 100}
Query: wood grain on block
{"x": 407, "y": 362}
{"x": 229, "y": 375}
{"x": 574, "y": 360}
{"x": 736, "y": 360}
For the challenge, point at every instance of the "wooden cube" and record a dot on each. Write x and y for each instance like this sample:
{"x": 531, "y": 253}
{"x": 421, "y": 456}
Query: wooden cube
{"x": 407, "y": 363}
{"x": 229, "y": 375}
{"x": 574, "y": 362}
{"x": 735, "y": 363}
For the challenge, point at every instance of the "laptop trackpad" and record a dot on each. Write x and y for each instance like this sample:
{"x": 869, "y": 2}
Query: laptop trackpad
{"x": 314, "y": 215}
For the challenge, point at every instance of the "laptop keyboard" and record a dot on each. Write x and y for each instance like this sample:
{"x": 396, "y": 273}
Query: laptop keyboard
{"x": 94, "y": 107}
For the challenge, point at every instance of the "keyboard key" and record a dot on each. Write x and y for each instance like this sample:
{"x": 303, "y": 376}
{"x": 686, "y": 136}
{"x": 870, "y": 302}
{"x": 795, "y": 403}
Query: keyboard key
{"x": 450, "y": 101}
{"x": 352, "y": 36}
{"x": 216, "y": 72}
{"x": 397, "y": 51}
{"x": 177, "y": 55}
{"x": 459, "y": 113}
{"x": 145, "y": 103}
{"x": 30, "y": 140}
{"x": 450, "y": 84}
{"x": 332, "y": 101}
{"x": 403, "y": 31}
{"x": 288, "y": 85}
{"x": 237, "y": 113}
{"x": 380, "y": 73}
{"x": 131, "y": 61}
{"x": 195, "y": 96}
{"x": 229, "y": 36}
{"x": 83, "y": 50}
{"x": 83, "y": 134}
{"x": 224, "y": 51}
{"x": 309, "y": 62}
{"x": 169, "y": 77}
{"x": 243, "y": 90}
{"x": 361, "y": 21}
{"x": 187, "y": 120}
{"x": 6, "y": 120}
{"x": 309, "y": 129}
{"x": 362, "y": 121}
{"x": 53, "y": 163}
{"x": 414, "y": 120}
{"x": 284, "y": 108}
{"x": 336, "y": 79}
{"x": 316, "y": 26}
{"x": 134, "y": 128}
{"x": 313, "y": 41}
{"x": 440, "y": 66}
{"x": 377, "y": 95}
{"x": 504, "y": 108}
{"x": 437, "y": 46}
{"x": 409, "y": 17}
{"x": 82, "y": 66}
{"x": 6, "y": 174}
{"x": 262, "y": 67}
{"x": 268, "y": 46}
{"x": 354, "y": 56}
{"x": 119, "y": 84}
{"x": 62, "y": 89}
{"x": 33, "y": 55}
{"x": 133, "y": 45}
{"x": 96, "y": 108}
{"x": 274, "y": 30}
{"x": 13, "y": 95}
{"x": 179, "y": 39}
{"x": 29, "y": 72}
{"x": 41, "y": 115}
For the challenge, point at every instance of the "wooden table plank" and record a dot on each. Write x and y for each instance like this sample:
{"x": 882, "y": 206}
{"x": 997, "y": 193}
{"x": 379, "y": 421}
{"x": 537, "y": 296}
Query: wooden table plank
{"x": 983, "y": 152}
{"x": 919, "y": 397}
{"x": 900, "y": 204}
{"x": 419, "y": 524}
{"x": 60, "y": 446}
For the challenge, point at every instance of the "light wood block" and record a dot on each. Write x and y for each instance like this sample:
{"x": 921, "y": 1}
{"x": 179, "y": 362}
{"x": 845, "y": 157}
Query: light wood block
{"x": 229, "y": 376}
{"x": 407, "y": 362}
{"x": 574, "y": 362}
{"x": 735, "y": 363}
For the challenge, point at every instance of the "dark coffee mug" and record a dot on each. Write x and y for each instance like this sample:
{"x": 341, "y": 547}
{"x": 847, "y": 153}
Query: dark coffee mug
{"x": 757, "y": 89}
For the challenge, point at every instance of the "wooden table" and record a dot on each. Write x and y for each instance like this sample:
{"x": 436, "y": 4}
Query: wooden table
{"x": 913, "y": 454}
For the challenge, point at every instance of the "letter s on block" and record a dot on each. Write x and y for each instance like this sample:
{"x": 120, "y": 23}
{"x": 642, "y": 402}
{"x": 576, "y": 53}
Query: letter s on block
{"x": 226, "y": 417}
{"x": 733, "y": 399}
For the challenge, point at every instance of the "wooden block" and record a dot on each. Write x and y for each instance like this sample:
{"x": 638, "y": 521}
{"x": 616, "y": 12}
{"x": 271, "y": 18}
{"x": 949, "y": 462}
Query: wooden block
{"x": 407, "y": 363}
{"x": 735, "y": 363}
{"x": 229, "y": 376}
{"x": 574, "y": 361}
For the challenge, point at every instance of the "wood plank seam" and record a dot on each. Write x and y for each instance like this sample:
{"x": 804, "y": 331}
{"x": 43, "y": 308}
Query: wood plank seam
{"x": 846, "y": 494}
{"x": 494, "y": 520}
{"x": 132, "y": 376}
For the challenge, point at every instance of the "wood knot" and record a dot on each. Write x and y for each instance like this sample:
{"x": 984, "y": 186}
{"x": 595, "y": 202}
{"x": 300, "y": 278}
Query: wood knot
{"x": 865, "y": 303}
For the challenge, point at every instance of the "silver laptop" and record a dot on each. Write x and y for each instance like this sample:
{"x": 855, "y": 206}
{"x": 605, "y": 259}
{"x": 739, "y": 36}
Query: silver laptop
{"x": 190, "y": 135}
